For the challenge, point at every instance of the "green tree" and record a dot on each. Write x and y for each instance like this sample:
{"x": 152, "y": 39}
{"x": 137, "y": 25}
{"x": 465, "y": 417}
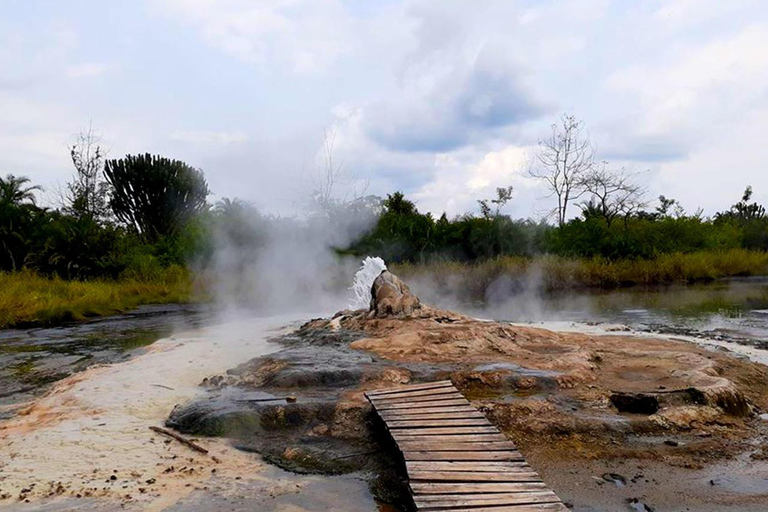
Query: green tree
{"x": 154, "y": 195}
{"x": 17, "y": 214}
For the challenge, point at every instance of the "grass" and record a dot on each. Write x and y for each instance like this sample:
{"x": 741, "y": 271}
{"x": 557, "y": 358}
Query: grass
{"x": 553, "y": 273}
{"x": 27, "y": 298}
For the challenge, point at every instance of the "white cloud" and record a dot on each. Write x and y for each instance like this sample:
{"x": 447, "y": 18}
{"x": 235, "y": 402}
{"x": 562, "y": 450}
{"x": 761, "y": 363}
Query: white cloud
{"x": 700, "y": 86}
{"x": 209, "y": 137}
{"x": 463, "y": 177}
{"x": 88, "y": 70}
{"x": 304, "y": 35}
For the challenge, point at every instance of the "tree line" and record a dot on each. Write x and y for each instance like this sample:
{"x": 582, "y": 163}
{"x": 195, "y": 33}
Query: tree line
{"x": 143, "y": 212}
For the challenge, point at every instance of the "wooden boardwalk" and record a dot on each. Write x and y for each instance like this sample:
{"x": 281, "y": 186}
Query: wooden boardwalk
{"x": 456, "y": 460}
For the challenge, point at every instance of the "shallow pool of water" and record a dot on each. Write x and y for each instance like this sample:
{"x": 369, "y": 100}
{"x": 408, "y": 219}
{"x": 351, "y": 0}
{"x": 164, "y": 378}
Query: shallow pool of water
{"x": 734, "y": 310}
{"x": 31, "y": 359}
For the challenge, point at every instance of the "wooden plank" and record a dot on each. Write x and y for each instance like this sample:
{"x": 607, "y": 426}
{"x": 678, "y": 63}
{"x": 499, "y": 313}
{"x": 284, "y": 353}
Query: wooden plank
{"x": 410, "y": 387}
{"x": 473, "y": 476}
{"x": 456, "y": 459}
{"x": 505, "y": 455}
{"x": 473, "y": 488}
{"x": 533, "y": 507}
{"x": 415, "y": 394}
{"x": 452, "y": 465}
{"x": 464, "y": 407}
{"x": 453, "y": 438}
{"x": 429, "y": 431}
{"x": 446, "y": 395}
{"x": 427, "y": 502}
{"x": 423, "y": 405}
{"x": 396, "y": 416}
{"x": 470, "y": 422}
{"x": 453, "y": 446}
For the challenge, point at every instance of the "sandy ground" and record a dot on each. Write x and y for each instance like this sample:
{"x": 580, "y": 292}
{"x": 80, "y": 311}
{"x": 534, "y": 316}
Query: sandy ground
{"x": 86, "y": 444}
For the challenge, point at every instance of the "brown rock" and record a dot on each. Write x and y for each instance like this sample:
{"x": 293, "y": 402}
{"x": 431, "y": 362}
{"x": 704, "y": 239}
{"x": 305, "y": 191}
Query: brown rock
{"x": 391, "y": 297}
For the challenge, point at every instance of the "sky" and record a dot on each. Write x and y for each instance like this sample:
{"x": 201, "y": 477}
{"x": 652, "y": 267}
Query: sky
{"x": 444, "y": 100}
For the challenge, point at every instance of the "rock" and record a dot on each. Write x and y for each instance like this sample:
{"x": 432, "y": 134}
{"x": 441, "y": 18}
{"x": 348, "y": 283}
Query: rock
{"x": 638, "y": 505}
{"x": 639, "y": 403}
{"x": 617, "y": 479}
{"x": 391, "y": 297}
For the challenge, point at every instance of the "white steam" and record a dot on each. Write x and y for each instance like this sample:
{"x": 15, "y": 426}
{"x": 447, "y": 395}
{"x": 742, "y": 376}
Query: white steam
{"x": 364, "y": 277}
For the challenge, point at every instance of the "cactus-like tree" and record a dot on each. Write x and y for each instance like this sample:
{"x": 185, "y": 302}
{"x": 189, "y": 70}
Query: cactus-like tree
{"x": 154, "y": 195}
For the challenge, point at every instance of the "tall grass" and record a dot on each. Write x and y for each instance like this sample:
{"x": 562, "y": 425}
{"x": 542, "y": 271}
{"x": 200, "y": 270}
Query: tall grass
{"x": 27, "y": 298}
{"x": 553, "y": 273}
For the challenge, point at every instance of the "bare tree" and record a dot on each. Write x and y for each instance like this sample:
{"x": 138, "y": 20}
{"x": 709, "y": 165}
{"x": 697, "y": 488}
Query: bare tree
{"x": 88, "y": 192}
{"x": 503, "y": 196}
{"x": 613, "y": 192}
{"x": 563, "y": 160}
{"x": 329, "y": 172}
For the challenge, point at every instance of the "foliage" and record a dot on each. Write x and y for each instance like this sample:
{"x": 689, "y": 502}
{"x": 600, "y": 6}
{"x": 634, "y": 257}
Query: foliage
{"x": 87, "y": 194}
{"x": 27, "y": 298}
{"x": 477, "y": 280}
{"x": 154, "y": 195}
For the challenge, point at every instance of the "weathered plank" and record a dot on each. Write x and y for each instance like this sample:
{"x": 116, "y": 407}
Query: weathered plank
{"x": 446, "y": 395}
{"x": 410, "y": 387}
{"x": 452, "y": 438}
{"x": 533, "y": 507}
{"x": 438, "y": 501}
{"x": 456, "y": 459}
{"x": 454, "y": 446}
{"x": 473, "y": 476}
{"x": 452, "y": 465}
{"x": 415, "y": 394}
{"x": 505, "y": 455}
{"x": 474, "y": 488}
{"x": 464, "y": 407}
{"x": 428, "y": 431}
{"x": 417, "y": 415}
{"x": 423, "y": 405}
{"x": 471, "y": 422}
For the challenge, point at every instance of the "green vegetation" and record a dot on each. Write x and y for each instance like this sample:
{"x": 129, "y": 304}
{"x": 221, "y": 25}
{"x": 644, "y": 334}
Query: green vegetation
{"x": 27, "y": 298}
{"x": 559, "y": 273}
{"x": 127, "y": 231}
{"x": 403, "y": 234}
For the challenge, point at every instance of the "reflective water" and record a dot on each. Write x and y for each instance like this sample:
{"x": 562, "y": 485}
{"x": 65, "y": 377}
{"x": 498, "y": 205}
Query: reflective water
{"x": 733, "y": 310}
{"x": 30, "y": 359}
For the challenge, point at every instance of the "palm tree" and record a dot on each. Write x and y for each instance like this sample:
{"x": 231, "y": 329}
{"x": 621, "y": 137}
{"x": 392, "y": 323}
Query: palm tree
{"x": 14, "y": 192}
{"x": 17, "y": 202}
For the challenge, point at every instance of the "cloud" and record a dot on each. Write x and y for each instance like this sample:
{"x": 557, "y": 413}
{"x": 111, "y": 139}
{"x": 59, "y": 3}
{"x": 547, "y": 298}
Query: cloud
{"x": 88, "y": 70}
{"x": 209, "y": 137}
{"x": 697, "y": 88}
{"x": 303, "y": 35}
{"x": 444, "y": 105}
{"x": 463, "y": 177}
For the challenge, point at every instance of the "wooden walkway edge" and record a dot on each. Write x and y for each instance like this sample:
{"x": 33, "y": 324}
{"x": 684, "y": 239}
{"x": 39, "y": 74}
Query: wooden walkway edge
{"x": 456, "y": 459}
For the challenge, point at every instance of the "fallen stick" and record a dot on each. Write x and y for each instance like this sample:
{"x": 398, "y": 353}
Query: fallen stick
{"x": 349, "y": 456}
{"x": 289, "y": 399}
{"x": 163, "y": 386}
{"x": 180, "y": 439}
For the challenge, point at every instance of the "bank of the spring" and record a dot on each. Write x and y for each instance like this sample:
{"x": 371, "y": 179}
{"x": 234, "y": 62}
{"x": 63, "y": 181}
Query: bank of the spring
{"x": 27, "y": 298}
{"x": 554, "y": 273}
